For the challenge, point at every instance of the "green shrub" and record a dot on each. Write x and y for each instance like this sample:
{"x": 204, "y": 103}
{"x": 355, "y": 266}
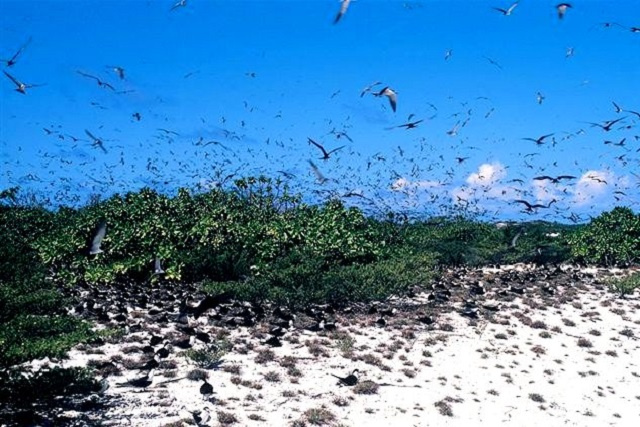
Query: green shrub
{"x": 626, "y": 285}
{"x": 612, "y": 238}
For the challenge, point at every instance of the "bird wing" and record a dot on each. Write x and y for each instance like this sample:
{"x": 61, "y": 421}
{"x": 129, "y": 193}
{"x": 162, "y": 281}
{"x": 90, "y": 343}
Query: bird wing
{"x": 336, "y": 149}
{"x": 324, "y": 152}
{"x": 87, "y": 75}
{"x": 540, "y": 178}
{"x": 13, "y": 79}
{"x": 343, "y": 9}
{"x": 523, "y": 202}
{"x": 90, "y": 135}
{"x": 393, "y": 99}
{"x": 513, "y": 6}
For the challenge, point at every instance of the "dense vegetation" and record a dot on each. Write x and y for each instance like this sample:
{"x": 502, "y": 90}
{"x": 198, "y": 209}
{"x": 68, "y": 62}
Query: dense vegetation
{"x": 256, "y": 241}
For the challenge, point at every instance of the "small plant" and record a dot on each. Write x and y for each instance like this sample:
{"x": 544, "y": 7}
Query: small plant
{"x": 209, "y": 357}
{"x": 444, "y": 408}
{"x": 536, "y": 397}
{"x": 272, "y": 377}
{"x": 585, "y": 343}
{"x": 226, "y": 418}
{"x": 366, "y": 387}
{"x": 319, "y": 416}
{"x": 626, "y": 285}
{"x": 197, "y": 375}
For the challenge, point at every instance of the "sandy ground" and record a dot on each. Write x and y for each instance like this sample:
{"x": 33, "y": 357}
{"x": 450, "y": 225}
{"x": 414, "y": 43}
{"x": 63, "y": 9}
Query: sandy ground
{"x": 531, "y": 364}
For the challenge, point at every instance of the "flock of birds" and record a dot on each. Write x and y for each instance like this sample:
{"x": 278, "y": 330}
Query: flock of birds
{"x": 392, "y": 180}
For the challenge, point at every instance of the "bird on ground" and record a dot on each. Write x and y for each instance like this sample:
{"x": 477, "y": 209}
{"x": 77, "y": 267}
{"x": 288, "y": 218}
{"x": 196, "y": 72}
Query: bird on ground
{"x": 210, "y": 302}
{"x": 349, "y": 380}
{"x": 96, "y": 238}
{"x": 391, "y": 95}
{"x": 555, "y": 180}
{"x": 562, "y": 9}
{"x": 100, "y": 82}
{"x": 206, "y": 389}
{"x": 14, "y": 59}
{"x": 540, "y": 140}
{"x": 325, "y": 154}
{"x": 142, "y": 382}
{"x": 506, "y": 12}
{"x": 21, "y": 87}
{"x": 344, "y": 5}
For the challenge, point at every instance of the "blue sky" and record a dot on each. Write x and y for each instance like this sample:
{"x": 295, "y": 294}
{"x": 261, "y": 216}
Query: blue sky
{"x": 260, "y": 77}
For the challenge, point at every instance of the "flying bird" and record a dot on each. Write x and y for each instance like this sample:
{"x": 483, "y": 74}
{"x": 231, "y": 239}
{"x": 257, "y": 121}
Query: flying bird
{"x": 12, "y": 61}
{"x": 368, "y": 88}
{"x": 540, "y": 140}
{"x": 344, "y": 5}
{"x": 325, "y": 154}
{"x": 99, "y": 81}
{"x": 319, "y": 176}
{"x": 409, "y": 125}
{"x": 96, "y": 238}
{"x": 97, "y": 142}
{"x": 391, "y": 95}
{"x": 506, "y": 12}
{"x": 540, "y": 98}
{"x": 118, "y": 70}
{"x": 20, "y": 87}
{"x": 555, "y": 180}
{"x": 531, "y": 208}
{"x": 180, "y": 3}
{"x": 606, "y": 125}
{"x": 562, "y": 9}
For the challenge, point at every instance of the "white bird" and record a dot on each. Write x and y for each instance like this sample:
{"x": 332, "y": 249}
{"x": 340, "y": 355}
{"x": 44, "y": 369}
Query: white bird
{"x": 343, "y": 9}
{"x": 96, "y": 238}
{"x": 506, "y": 12}
{"x": 391, "y": 95}
{"x": 562, "y": 9}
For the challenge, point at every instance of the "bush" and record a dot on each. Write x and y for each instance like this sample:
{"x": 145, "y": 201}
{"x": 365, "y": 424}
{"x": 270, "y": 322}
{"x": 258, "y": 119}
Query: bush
{"x": 626, "y": 285}
{"x": 612, "y": 238}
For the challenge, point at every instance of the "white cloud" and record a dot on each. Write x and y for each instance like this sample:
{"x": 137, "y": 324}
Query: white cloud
{"x": 488, "y": 174}
{"x": 591, "y": 185}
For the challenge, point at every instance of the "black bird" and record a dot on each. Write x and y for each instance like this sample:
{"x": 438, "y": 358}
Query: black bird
{"x": 540, "y": 140}
{"x": 325, "y": 154}
{"x": 531, "y": 208}
{"x": 555, "y": 180}
{"x": 274, "y": 342}
{"x": 12, "y": 61}
{"x": 210, "y": 302}
{"x": 96, "y": 238}
{"x": 99, "y": 81}
{"x": 409, "y": 125}
{"x": 206, "y": 389}
{"x": 606, "y": 126}
{"x": 143, "y": 382}
{"x": 349, "y": 380}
